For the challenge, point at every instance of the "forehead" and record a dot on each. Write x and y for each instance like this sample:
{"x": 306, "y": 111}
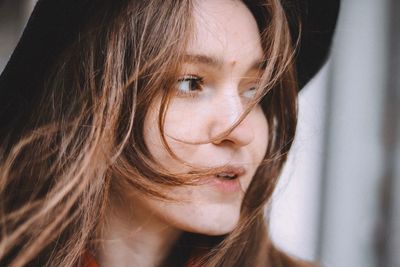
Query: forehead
{"x": 227, "y": 30}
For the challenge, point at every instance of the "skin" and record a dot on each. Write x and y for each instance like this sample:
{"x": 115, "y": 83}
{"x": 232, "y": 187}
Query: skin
{"x": 217, "y": 82}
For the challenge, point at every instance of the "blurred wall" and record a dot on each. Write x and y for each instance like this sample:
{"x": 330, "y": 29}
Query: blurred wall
{"x": 353, "y": 217}
{"x": 296, "y": 201}
{"x": 13, "y": 17}
{"x": 354, "y": 158}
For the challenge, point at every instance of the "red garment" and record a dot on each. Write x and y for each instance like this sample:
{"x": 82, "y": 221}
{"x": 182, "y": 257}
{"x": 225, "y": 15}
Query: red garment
{"x": 89, "y": 260}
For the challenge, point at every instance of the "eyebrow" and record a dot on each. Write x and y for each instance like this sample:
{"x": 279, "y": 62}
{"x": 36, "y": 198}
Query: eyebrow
{"x": 217, "y": 62}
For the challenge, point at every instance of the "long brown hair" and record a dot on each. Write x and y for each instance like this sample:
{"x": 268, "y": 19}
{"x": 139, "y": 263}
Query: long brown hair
{"x": 81, "y": 137}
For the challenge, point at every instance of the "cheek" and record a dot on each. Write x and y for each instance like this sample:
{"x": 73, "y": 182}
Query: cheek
{"x": 153, "y": 141}
{"x": 184, "y": 125}
{"x": 156, "y": 148}
{"x": 258, "y": 147}
{"x": 260, "y": 126}
{"x": 197, "y": 214}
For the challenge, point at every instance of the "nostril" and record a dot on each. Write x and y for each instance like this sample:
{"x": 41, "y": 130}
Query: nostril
{"x": 241, "y": 134}
{"x": 230, "y": 124}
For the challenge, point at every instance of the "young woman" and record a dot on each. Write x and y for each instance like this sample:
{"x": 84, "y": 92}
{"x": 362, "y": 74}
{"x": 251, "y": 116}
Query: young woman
{"x": 152, "y": 133}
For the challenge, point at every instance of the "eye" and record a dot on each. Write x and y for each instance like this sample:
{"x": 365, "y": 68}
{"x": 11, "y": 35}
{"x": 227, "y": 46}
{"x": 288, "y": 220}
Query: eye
{"x": 189, "y": 85}
{"x": 251, "y": 92}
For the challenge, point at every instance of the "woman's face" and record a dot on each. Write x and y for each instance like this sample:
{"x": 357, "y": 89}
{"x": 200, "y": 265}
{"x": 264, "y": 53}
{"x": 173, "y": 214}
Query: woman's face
{"x": 217, "y": 80}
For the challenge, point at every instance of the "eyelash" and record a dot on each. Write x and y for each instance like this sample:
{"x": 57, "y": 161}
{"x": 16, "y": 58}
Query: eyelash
{"x": 192, "y": 80}
{"x": 198, "y": 83}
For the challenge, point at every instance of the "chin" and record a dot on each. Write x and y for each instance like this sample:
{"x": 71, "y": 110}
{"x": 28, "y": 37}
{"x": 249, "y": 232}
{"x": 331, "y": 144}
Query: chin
{"x": 204, "y": 214}
{"x": 217, "y": 231}
{"x": 212, "y": 223}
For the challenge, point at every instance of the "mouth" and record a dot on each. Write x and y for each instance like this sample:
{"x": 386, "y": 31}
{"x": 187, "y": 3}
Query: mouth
{"x": 227, "y": 179}
{"x": 229, "y": 172}
{"x": 226, "y": 176}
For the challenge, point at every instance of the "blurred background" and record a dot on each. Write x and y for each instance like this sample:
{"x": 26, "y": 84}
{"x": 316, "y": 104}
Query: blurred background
{"x": 338, "y": 201}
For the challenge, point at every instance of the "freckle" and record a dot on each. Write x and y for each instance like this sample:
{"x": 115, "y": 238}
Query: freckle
{"x": 190, "y": 192}
{"x": 233, "y": 63}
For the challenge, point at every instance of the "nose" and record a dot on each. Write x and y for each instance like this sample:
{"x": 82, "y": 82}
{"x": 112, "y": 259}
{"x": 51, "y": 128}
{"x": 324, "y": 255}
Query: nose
{"x": 228, "y": 110}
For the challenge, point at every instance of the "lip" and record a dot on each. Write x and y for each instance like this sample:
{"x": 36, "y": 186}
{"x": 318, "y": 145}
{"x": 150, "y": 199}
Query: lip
{"x": 227, "y": 185}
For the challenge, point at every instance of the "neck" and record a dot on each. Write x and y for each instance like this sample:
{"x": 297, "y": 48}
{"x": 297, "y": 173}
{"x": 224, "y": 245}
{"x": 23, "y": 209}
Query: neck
{"x": 133, "y": 237}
